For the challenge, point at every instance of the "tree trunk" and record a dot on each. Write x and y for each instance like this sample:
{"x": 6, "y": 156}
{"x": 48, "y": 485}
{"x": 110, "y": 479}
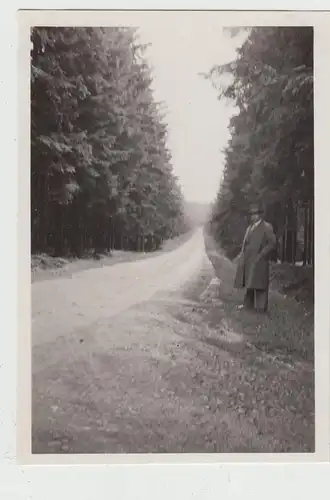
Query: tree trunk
{"x": 43, "y": 213}
{"x": 74, "y": 231}
{"x": 113, "y": 238}
{"x": 58, "y": 230}
{"x": 312, "y": 232}
{"x": 305, "y": 253}
{"x": 291, "y": 237}
{"x": 284, "y": 239}
{"x": 108, "y": 239}
{"x": 143, "y": 243}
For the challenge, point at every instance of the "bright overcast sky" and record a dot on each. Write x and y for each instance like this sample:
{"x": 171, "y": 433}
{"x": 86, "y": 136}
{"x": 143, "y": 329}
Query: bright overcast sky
{"x": 197, "y": 121}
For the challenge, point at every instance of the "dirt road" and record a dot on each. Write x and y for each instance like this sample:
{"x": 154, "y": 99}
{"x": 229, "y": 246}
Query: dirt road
{"x": 62, "y": 306}
{"x": 103, "y": 341}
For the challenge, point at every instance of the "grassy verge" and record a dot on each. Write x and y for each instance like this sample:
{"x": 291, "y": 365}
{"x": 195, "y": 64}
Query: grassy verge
{"x": 257, "y": 370}
{"x": 44, "y": 267}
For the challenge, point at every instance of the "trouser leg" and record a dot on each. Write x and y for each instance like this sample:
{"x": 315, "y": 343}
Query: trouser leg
{"x": 249, "y": 298}
{"x": 261, "y": 300}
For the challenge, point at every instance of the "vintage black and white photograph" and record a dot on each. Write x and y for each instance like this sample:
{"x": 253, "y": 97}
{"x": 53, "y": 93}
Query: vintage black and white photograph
{"x": 172, "y": 238}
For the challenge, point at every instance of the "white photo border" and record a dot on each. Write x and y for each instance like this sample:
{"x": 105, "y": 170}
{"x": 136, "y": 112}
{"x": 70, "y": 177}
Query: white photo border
{"x": 204, "y": 477}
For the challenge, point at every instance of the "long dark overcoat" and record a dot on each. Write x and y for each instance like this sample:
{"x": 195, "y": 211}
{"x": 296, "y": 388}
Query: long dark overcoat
{"x": 253, "y": 262}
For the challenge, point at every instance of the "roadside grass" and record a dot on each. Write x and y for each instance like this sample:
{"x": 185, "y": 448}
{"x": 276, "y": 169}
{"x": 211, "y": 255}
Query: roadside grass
{"x": 44, "y": 266}
{"x": 256, "y": 370}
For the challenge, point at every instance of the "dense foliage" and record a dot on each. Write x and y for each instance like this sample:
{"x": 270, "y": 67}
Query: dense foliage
{"x": 101, "y": 174}
{"x": 270, "y": 155}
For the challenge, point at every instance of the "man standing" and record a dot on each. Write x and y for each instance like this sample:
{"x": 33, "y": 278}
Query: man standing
{"x": 253, "y": 261}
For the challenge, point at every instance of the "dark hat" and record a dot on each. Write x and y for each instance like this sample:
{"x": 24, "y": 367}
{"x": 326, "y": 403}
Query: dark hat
{"x": 255, "y": 208}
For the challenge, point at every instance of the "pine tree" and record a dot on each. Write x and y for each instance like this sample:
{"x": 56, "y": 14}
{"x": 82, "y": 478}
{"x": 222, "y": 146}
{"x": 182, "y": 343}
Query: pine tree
{"x": 270, "y": 154}
{"x": 101, "y": 174}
